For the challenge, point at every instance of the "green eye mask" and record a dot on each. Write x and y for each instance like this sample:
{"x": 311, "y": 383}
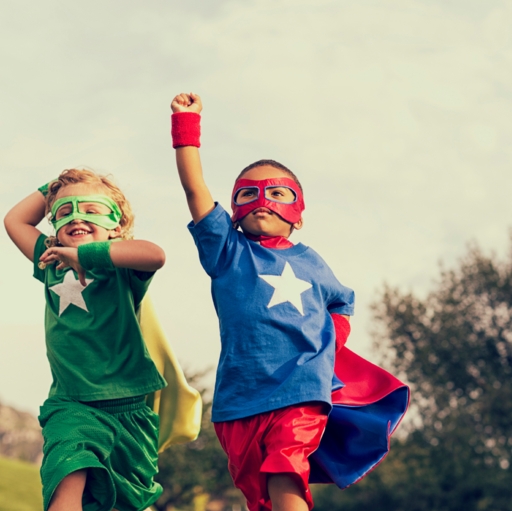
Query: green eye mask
{"x": 109, "y": 221}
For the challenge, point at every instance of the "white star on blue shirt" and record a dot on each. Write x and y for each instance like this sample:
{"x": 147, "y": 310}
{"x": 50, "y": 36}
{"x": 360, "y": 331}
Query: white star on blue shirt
{"x": 287, "y": 288}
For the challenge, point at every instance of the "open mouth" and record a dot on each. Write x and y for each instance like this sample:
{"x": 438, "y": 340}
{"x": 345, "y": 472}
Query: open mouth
{"x": 78, "y": 232}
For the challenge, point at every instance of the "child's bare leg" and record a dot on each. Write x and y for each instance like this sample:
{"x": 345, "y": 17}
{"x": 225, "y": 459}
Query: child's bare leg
{"x": 68, "y": 495}
{"x": 285, "y": 493}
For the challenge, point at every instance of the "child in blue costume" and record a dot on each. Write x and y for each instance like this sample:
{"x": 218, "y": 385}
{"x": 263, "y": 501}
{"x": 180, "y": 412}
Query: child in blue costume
{"x": 280, "y": 407}
{"x": 101, "y": 439}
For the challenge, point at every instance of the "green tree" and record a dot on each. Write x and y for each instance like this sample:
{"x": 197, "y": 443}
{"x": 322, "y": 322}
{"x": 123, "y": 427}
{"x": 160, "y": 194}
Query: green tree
{"x": 196, "y": 468}
{"x": 455, "y": 349}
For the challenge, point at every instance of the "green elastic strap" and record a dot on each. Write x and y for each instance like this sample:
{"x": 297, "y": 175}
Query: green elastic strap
{"x": 95, "y": 255}
{"x": 108, "y": 221}
{"x": 45, "y": 188}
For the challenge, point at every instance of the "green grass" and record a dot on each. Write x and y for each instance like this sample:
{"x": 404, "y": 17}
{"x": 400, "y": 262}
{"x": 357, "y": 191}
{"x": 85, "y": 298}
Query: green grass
{"x": 20, "y": 486}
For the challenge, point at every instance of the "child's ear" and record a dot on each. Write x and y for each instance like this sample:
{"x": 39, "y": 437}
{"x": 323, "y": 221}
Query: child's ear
{"x": 114, "y": 233}
{"x": 298, "y": 225}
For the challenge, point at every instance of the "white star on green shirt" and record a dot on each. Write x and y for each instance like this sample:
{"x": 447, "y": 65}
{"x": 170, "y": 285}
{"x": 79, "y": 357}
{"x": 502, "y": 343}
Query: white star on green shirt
{"x": 70, "y": 292}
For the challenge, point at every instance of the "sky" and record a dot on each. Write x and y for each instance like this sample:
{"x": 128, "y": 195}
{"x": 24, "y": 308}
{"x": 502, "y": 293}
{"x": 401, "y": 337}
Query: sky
{"x": 394, "y": 114}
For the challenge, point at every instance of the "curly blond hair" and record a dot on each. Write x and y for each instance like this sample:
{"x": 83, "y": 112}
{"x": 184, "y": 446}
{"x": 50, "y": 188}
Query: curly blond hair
{"x": 104, "y": 184}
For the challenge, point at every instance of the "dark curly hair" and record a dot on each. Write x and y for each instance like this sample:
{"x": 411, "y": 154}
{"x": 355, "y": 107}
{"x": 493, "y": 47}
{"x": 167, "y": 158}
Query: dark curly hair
{"x": 271, "y": 163}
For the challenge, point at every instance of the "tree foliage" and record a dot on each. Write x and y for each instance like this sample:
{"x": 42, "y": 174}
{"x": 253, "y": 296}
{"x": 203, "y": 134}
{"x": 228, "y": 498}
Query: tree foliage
{"x": 454, "y": 347}
{"x": 196, "y": 468}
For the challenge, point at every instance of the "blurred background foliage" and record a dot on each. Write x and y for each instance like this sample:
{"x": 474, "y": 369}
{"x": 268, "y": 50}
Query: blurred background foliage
{"x": 193, "y": 471}
{"x": 454, "y": 348}
{"x": 20, "y": 486}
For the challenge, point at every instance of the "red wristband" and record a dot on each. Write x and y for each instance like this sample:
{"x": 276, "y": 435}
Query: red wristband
{"x": 185, "y": 129}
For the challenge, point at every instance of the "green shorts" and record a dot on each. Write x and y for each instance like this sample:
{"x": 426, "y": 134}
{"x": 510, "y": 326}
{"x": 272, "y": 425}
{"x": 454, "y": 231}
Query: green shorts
{"x": 115, "y": 440}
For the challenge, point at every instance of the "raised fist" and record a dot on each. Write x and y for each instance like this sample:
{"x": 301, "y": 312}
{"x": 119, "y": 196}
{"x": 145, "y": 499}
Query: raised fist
{"x": 187, "y": 103}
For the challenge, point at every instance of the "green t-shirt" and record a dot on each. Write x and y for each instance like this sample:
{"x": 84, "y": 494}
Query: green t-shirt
{"x": 93, "y": 338}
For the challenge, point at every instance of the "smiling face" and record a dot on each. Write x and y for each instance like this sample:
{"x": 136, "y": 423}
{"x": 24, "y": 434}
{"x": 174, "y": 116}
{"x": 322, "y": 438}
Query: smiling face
{"x": 263, "y": 221}
{"x": 78, "y": 231}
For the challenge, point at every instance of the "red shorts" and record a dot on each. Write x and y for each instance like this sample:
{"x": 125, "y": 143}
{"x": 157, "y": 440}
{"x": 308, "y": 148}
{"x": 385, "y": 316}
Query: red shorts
{"x": 274, "y": 442}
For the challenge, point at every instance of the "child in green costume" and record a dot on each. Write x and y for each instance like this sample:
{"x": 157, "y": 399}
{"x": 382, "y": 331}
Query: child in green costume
{"x": 101, "y": 439}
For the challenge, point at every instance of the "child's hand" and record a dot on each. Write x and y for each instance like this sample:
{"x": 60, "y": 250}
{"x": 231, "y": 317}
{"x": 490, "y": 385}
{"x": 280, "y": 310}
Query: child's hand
{"x": 66, "y": 257}
{"x": 187, "y": 103}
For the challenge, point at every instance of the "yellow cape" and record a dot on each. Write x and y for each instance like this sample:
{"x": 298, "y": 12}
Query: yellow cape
{"x": 178, "y": 405}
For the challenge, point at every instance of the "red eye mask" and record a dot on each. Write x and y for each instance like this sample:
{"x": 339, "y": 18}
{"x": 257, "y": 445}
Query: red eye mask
{"x": 289, "y": 211}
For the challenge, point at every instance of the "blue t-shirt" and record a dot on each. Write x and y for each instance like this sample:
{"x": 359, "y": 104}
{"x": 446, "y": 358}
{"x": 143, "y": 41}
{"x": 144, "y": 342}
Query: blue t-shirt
{"x": 277, "y": 336}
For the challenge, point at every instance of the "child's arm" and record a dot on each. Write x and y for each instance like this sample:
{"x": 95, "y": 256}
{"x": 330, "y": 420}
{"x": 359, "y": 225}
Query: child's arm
{"x": 137, "y": 254}
{"x": 134, "y": 254}
{"x": 199, "y": 199}
{"x": 342, "y": 329}
{"x": 20, "y": 223}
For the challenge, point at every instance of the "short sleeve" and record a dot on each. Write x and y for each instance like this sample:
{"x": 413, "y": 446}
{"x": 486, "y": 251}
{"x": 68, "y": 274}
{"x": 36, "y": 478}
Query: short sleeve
{"x": 139, "y": 283}
{"x": 341, "y": 299}
{"x": 343, "y": 302}
{"x": 216, "y": 240}
{"x": 39, "y": 249}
